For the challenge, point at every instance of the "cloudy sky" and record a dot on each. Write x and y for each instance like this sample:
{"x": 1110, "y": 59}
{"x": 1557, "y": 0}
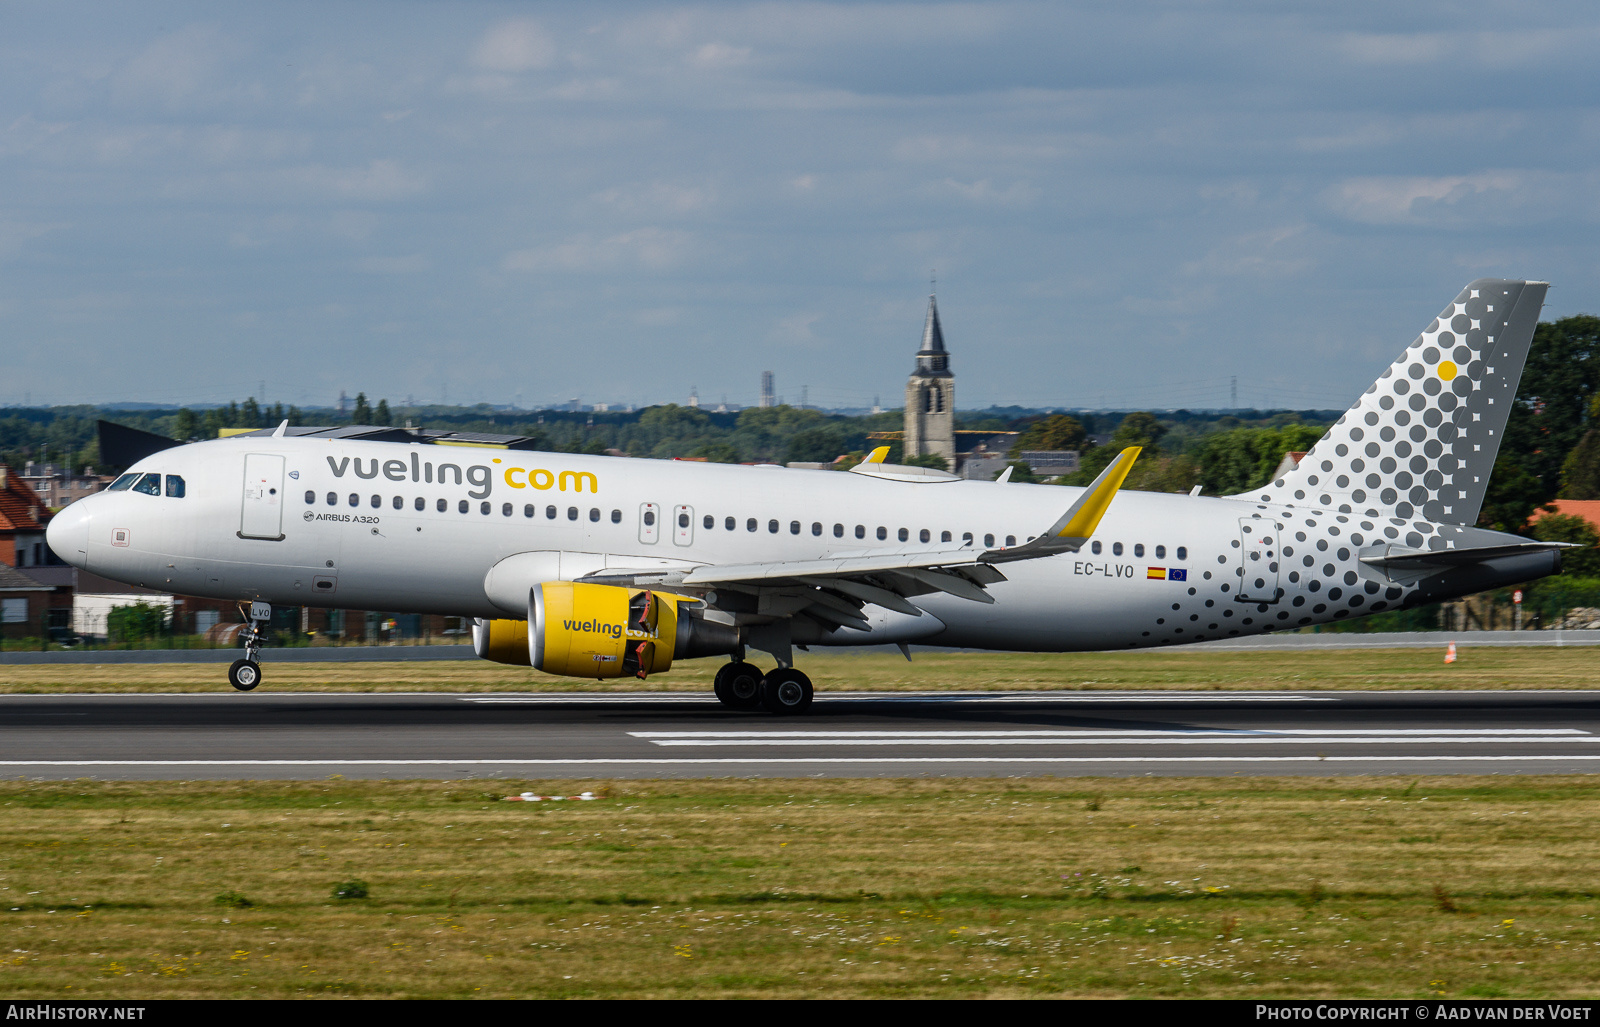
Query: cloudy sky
{"x": 1126, "y": 204}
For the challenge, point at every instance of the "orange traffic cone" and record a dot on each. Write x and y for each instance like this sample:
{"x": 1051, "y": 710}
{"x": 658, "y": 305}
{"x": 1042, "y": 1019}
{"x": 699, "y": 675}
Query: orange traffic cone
{"x": 1450, "y": 653}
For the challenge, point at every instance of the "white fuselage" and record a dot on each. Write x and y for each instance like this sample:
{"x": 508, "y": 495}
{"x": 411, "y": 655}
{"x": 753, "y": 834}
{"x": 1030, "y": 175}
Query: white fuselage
{"x": 345, "y": 530}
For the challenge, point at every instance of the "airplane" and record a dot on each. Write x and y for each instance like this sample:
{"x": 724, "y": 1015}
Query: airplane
{"x": 602, "y": 567}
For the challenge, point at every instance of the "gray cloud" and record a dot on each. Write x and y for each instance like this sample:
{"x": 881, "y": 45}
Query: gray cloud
{"x": 1125, "y": 205}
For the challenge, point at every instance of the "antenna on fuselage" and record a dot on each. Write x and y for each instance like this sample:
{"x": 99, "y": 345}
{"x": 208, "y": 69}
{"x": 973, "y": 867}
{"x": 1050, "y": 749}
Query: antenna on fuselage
{"x": 278, "y": 434}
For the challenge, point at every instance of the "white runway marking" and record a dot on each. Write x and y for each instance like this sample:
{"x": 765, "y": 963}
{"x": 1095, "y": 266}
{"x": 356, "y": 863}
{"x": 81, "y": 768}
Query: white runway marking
{"x": 795, "y": 761}
{"x": 1112, "y": 736}
{"x": 920, "y": 697}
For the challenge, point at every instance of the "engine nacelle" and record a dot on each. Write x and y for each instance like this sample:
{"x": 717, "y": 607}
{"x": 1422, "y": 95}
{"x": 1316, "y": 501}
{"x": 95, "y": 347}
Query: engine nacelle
{"x": 602, "y": 631}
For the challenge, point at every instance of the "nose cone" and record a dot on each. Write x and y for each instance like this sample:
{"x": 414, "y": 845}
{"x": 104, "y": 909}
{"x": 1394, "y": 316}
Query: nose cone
{"x": 68, "y": 533}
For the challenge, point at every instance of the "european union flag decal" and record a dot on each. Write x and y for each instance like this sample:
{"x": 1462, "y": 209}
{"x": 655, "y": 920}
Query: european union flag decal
{"x": 1177, "y": 574}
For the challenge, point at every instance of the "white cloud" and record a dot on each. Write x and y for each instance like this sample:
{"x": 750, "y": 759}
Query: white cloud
{"x": 654, "y": 249}
{"x": 409, "y": 265}
{"x": 187, "y": 65}
{"x": 515, "y": 46}
{"x": 1445, "y": 200}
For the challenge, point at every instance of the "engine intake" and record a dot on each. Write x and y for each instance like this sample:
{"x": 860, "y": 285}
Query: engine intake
{"x": 603, "y": 631}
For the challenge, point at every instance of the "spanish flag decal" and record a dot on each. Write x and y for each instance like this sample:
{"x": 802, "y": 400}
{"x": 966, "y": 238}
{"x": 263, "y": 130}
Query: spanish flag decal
{"x": 1158, "y": 573}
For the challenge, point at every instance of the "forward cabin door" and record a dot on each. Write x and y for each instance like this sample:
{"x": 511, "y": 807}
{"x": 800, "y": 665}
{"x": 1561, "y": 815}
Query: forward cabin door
{"x": 1259, "y": 557}
{"x": 262, "y": 514}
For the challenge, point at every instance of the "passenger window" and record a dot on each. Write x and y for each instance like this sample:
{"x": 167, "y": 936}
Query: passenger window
{"x": 772, "y": 526}
{"x": 1183, "y": 553}
{"x": 729, "y": 524}
{"x": 355, "y": 500}
{"x": 505, "y": 509}
{"x": 649, "y": 516}
{"x": 311, "y": 497}
{"x": 594, "y": 515}
{"x": 1094, "y": 547}
{"x": 333, "y": 499}
{"x": 462, "y": 506}
{"x": 122, "y": 483}
{"x": 816, "y": 527}
{"x": 616, "y": 517}
{"x": 988, "y": 541}
{"x": 883, "y": 533}
{"x": 1161, "y": 552}
{"x": 484, "y": 508}
{"x": 441, "y": 506}
{"x": 1116, "y": 549}
{"x": 709, "y": 522}
{"x": 528, "y": 510}
{"x": 149, "y": 484}
{"x": 174, "y": 487}
{"x": 861, "y": 531}
{"x": 904, "y": 534}
{"x": 399, "y": 503}
{"x": 924, "y": 535}
{"x": 750, "y": 525}
{"x": 683, "y": 520}
{"x": 422, "y": 504}
{"x": 794, "y": 527}
{"x": 572, "y": 513}
{"x": 966, "y": 536}
{"x": 1138, "y": 549}
{"x": 377, "y": 501}
{"x": 1011, "y": 540}
{"x": 944, "y": 536}
{"x": 838, "y": 531}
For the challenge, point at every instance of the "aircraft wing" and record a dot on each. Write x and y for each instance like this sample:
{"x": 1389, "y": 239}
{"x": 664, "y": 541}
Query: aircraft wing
{"x": 835, "y": 589}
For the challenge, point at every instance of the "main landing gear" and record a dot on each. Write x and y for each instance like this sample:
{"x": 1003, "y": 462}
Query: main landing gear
{"x": 245, "y": 674}
{"x": 742, "y": 686}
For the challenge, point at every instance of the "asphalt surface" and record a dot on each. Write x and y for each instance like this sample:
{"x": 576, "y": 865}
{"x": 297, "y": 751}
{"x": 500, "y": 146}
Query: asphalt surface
{"x": 385, "y": 653}
{"x": 522, "y": 736}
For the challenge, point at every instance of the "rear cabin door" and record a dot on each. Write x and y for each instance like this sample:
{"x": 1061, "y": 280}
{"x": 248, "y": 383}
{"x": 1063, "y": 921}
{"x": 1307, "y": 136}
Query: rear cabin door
{"x": 1259, "y": 559}
{"x": 262, "y": 514}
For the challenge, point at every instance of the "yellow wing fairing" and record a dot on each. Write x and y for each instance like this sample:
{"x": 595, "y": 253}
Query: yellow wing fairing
{"x": 1073, "y": 528}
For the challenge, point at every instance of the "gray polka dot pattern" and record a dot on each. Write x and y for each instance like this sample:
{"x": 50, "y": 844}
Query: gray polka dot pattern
{"x": 1421, "y": 441}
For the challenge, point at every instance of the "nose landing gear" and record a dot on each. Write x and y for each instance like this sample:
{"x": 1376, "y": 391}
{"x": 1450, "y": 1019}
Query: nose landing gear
{"x": 742, "y": 686}
{"x": 245, "y": 674}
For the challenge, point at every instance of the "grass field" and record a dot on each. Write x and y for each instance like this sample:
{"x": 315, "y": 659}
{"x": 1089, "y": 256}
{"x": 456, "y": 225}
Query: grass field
{"x": 1493, "y": 668}
{"x": 1229, "y": 888}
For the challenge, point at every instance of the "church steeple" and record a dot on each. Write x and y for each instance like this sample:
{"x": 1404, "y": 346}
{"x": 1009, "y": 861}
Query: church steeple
{"x": 932, "y": 359}
{"x": 931, "y": 396}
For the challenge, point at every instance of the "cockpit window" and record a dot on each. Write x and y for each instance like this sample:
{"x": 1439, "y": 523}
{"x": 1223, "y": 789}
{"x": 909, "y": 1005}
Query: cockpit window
{"x": 122, "y": 483}
{"x": 149, "y": 484}
{"x": 174, "y": 486}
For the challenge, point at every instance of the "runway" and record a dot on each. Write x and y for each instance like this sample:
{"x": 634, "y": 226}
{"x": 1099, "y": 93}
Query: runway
{"x": 567, "y": 735}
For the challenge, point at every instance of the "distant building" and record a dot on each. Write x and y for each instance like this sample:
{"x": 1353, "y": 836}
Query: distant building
{"x": 1588, "y": 509}
{"x": 768, "y": 398}
{"x": 23, "y": 515}
{"x": 931, "y": 396}
{"x": 30, "y": 608}
{"x": 694, "y": 397}
{"x": 1289, "y": 462}
{"x": 982, "y": 466}
{"x": 59, "y": 487}
{"x": 1050, "y": 463}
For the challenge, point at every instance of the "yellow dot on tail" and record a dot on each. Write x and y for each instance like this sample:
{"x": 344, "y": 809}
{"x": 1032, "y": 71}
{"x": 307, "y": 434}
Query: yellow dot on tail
{"x": 1447, "y": 370}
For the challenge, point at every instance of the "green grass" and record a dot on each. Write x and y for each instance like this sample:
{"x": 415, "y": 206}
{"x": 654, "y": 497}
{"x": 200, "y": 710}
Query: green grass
{"x": 829, "y": 888}
{"x": 1492, "y": 668}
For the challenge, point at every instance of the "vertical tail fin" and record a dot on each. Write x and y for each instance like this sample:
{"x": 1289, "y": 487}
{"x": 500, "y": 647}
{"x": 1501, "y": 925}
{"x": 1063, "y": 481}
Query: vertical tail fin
{"x": 1422, "y": 440}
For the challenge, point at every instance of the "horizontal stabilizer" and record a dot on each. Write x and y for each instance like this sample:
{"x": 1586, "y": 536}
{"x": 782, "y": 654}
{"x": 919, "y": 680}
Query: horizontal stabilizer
{"x": 1403, "y": 558}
